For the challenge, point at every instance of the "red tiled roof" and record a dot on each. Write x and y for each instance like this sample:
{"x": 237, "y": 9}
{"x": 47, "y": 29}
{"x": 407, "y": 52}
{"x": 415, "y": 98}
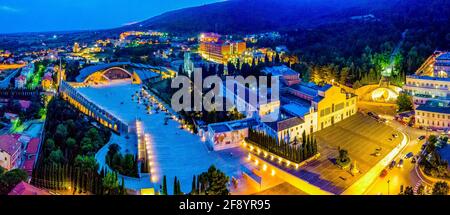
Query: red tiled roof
{"x": 33, "y": 146}
{"x": 21, "y": 77}
{"x": 25, "y": 104}
{"x": 48, "y": 78}
{"x": 9, "y": 144}
{"x": 27, "y": 189}
{"x": 28, "y": 165}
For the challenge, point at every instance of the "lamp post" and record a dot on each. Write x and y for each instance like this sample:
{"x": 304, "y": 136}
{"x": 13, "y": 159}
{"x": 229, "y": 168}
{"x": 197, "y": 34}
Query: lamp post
{"x": 388, "y": 181}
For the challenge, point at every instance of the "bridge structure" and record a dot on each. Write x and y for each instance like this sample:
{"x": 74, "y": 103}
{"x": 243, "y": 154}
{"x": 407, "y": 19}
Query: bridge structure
{"x": 88, "y": 107}
{"x": 104, "y": 74}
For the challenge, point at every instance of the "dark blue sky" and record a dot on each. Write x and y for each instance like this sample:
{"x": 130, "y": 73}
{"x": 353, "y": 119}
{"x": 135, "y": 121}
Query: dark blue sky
{"x": 56, "y": 15}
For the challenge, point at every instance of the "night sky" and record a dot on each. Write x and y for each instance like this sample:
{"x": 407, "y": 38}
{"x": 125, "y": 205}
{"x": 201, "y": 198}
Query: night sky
{"x": 60, "y": 15}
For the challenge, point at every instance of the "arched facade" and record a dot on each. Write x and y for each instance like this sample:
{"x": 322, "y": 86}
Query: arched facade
{"x": 110, "y": 74}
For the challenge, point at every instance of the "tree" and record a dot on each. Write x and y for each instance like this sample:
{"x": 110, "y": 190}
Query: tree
{"x": 408, "y": 191}
{"x": 194, "y": 188}
{"x": 61, "y": 133}
{"x": 164, "y": 186}
{"x": 404, "y": 102}
{"x": 217, "y": 182}
{"x": 110, "y": 183}
{"x": 56, "y": 157}
{"x": 420, "y": 190}
{"x": 175, "y": 186}
{"x": 86, "y": 145}
{"x": 86, "y": 163}
{"x": 10, "y": 179}
{"x": 440, "y": 188}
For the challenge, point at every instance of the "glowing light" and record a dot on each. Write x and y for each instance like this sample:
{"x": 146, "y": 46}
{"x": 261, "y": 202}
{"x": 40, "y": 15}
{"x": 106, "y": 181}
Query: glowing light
{"x": 264, "y": 167}
{"x": 265, "y": 154}
{"x": 279, "y": 160}
{"x": 288, "y": 163}
{"x": 256, "y": 162}
{"x": 272, "y": 173}
{"x": 249, "y": 157}
{"x": 272, "y": 157}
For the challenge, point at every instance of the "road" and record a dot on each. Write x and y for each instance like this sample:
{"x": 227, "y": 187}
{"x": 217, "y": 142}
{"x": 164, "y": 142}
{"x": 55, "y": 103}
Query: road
{"x": 406, "y": 175}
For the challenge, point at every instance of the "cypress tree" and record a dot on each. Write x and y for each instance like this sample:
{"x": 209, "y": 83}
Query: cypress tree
{"x": 315, "y": 146}
{"x": 305, "y": 152}
{"x": 193, "y": 185}
{"x": 175, "y": 184}
{"x": 122, "y": 187}
{"x": 198, "y": 185}
{"x": 164, "y": 189}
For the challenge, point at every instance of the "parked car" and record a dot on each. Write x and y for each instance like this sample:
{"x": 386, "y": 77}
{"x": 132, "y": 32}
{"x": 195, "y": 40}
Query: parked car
{"x": 400, "y": 163}
{"x": 421, "y": 137}
{"x": 383, "y": 173}
{"x": 410, "y": 154}
{"x": 394, "y": 135}
{"x": 392, "y": 165}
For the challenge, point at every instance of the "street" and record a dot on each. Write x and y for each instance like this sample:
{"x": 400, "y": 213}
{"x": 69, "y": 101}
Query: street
{"x": 405, "y": 175}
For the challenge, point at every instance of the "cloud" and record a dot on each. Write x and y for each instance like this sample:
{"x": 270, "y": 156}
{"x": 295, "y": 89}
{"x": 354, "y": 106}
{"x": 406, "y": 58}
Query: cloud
{"x": 6, "y": 8}
{"x": 130, "y": 23}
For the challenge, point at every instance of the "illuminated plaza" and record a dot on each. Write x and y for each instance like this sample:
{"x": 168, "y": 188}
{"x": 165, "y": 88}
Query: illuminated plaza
{"x": 177, "y": 152}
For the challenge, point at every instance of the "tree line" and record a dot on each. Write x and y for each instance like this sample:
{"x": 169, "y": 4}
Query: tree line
{"x": 296, "y": 153}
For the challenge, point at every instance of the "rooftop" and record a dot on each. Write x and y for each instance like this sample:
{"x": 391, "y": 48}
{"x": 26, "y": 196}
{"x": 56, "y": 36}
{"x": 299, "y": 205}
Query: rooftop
{"x": 444, "y": 56}
{"x": 279, "y": 70}
{"x": 27, "y": 189}
{"x": 285, "y": 123}
{"x": 9, "y": 144}
{"x": 33, "y": 146}
{"x": 296, "y": 109}
{"x": 435, "y": 106}
{"x": 233, "y": 125}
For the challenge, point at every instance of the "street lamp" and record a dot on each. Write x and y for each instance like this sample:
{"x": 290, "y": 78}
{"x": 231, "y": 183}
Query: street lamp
{"x": 388, "y": 184}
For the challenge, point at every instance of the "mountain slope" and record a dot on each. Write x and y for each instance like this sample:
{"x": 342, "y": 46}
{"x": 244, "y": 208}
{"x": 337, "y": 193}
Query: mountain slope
{"x": 237, "y": 16}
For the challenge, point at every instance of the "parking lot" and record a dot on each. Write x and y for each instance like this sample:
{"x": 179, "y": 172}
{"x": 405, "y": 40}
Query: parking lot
{"x": 362, "y": 137}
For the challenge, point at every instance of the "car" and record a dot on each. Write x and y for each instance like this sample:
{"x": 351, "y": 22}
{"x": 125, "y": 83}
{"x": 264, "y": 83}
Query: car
{"x": 395, "y": 135}
{"x": 383, "y": 173}
{"x": 377, "y": 153}
{"x": 392, "y": 165}
{"x": 400, "y": 163}
{"x": 413, "y": 160}
{"x": 410, "y": 154}
{"x": 421, "y": 137}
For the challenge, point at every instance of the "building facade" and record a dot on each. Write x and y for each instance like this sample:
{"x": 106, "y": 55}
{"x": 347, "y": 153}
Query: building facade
{"x": 430, "y": 92}
{"x": 434, "y": 115}
{"x": 10, "y": 152}
{"x": 213, "y": 48}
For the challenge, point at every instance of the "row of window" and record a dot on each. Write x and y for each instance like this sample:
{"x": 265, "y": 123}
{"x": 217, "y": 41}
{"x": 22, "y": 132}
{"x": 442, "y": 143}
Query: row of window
{"x": 427, "y": 84}
{"x": 439, "y": 116}
{"x": 433, "y": 123}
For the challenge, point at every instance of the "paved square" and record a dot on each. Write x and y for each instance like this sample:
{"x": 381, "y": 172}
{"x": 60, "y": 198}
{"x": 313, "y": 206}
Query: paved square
{"x": 360, "y": 135}
{"x": 177, "y": 152}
